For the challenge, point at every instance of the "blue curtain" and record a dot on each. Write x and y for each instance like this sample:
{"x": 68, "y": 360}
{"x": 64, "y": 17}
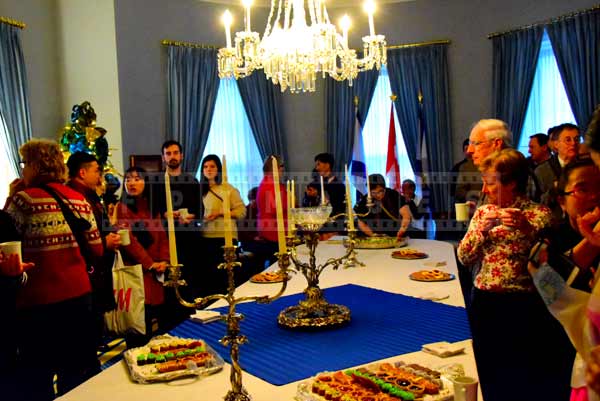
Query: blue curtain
{"x": 262, "y": 101}
{"x": 192, "y": 86}
{"x": 576, "y": 47}
{"x": 14, "y": 103}
{"x": 340, "y": 113}
{"x": 424, "y": 69}
{"x": 514, "y": 62}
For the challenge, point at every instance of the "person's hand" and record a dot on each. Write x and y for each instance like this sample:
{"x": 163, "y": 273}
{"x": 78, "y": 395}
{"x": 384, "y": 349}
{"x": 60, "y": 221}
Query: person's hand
{"x": 187, "y": 218}
{"x": 11, "y": 266}
{"x": 212, "y": 216}
{"x": 490, "y": 220}
{"x": 589, "y": 226}
{"x": 514, "y": 219}
{"x": 17, "y": 185}
{"x": 113, "y": 241}
{"x": 159, "y": 267}
{"x": 175, "y": 213}
{"x": 592, "y": 372}
{"x": 401, "y": 233}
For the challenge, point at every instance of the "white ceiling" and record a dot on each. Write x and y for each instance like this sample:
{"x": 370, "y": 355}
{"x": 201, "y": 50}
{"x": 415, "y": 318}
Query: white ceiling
{"x": 329, "y": 3}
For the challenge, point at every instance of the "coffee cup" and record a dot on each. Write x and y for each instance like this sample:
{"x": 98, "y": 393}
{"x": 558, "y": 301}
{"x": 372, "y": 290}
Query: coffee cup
{"x": 462, "y": 211}
{"x": 183, "y": 213}
{"x": 465, "y": 388}
{"x": 124, "y": 234}
{"x": 8, "y": 248}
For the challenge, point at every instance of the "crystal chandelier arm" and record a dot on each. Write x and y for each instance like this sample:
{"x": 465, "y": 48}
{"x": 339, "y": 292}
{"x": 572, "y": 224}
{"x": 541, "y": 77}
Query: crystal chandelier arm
{"x": 314, "y": 19}
{"x": 269, "y": 26}
{"x": 288, "y": 11}
{"x": 326, "y": 16}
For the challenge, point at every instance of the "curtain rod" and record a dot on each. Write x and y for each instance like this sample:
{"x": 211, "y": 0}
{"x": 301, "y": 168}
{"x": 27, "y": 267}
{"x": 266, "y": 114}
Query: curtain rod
{"x": 549, "y": 21}
{"x": 166, "y": 42}
{"x": 12, "y": 22}
{"x": 433, "y": 42}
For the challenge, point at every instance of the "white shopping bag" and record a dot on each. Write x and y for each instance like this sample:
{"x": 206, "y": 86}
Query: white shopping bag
{"x": 128, "y": 288}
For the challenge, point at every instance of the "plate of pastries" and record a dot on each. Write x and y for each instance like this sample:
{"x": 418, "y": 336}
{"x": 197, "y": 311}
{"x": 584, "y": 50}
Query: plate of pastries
{"x": 409, "y": 254}
{"x": 378, "y": 382}
{"x": 166, "y": 358}
{"x": 431, "y": 275}
{"x": 377, "y": 242}
{"x": 269, "y": 277}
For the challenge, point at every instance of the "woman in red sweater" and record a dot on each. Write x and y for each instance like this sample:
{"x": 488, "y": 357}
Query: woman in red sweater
{"x": 54, "y": 317}
{"x": 149, "y": 247}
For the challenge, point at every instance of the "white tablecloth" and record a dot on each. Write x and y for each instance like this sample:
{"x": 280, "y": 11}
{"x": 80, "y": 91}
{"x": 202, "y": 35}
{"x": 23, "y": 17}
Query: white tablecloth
{"x": 381, "y": 272}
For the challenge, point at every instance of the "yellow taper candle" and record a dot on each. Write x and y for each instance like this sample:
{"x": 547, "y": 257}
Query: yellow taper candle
{"x": 278, "y": 208}
{"x": 322, "y": 192}
{"x": 288, "y": 192}
{"x": 226, "y": 207}
{"x": 170, "y": 222}
{"x": 349, "y": 201}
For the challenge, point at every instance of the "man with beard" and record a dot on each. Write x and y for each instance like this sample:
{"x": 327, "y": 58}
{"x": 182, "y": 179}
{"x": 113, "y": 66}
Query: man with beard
{"x": 185, "y": 194}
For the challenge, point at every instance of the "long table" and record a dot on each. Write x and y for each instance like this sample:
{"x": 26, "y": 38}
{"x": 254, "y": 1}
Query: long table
{"x": 381, "y": 272}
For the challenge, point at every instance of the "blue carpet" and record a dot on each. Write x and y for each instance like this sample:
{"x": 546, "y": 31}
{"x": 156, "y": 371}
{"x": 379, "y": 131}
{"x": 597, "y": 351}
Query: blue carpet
{"x": 383, "y": 325}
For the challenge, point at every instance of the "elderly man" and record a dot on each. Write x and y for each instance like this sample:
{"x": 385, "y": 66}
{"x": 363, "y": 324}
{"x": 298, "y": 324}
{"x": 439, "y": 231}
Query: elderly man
{"x": 567, "y": 146}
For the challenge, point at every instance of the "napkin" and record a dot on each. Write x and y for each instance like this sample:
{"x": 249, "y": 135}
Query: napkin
{"x": 206, "y": 316}
{"x": 443, "y": 349}
{"x": 433, "y": 295}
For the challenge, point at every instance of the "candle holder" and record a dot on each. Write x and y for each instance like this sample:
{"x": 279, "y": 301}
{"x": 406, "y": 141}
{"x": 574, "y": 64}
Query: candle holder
{"x": 233, "y": 338}
{"x": 314, "y": 311}
{"x": 352, "y": 260}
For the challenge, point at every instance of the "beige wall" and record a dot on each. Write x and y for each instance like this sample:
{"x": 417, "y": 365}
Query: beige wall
{"x": 88, "y": 65}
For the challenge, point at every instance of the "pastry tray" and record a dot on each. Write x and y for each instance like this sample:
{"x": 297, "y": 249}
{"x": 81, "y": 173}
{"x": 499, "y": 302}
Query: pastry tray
{"x": 149, "y": 373}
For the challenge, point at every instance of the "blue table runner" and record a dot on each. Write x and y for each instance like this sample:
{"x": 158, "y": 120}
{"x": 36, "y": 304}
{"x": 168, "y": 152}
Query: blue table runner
{"x": 383, "y": 325}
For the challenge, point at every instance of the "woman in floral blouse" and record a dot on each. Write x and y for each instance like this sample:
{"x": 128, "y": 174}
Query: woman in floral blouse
{"x": 511, "y": 328}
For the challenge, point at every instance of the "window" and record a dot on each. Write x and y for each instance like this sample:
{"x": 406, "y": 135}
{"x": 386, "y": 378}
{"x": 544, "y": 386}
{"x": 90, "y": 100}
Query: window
{"x": 548, "y": 104}
{"x": 230, "y": 134}
{"x": 6, "y": 163}
{"x": 376, "y": 130}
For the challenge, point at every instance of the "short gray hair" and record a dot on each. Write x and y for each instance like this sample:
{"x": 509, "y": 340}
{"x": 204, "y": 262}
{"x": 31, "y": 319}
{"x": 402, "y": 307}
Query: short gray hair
{"x": 495, "y": 129}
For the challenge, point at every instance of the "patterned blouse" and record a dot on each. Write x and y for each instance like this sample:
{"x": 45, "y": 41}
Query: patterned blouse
{"x": 501, "y": 252}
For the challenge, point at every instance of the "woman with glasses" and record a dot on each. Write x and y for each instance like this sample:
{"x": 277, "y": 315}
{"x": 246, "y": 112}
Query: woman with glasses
{"x": 578, "y": 310}
{"x": 511, "y": 328}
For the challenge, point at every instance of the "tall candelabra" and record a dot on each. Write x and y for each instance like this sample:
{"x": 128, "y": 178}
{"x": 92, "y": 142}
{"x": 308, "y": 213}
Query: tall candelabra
{"x": 233, "y": 337}
{"x": 314, "y": 311}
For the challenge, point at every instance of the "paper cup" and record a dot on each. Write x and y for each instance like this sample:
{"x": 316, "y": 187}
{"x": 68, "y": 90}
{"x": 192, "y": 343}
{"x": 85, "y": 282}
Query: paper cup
{"x": 8, "y": 248}
{"x": 462, "y": 211}
{"x": 124, "y": 234}
{"x": 183, "y": 213}
{"x": 465, "y": 388}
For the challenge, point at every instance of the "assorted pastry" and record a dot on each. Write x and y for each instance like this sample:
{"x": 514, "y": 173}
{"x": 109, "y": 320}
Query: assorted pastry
{"x": 269, "y": 277}
{"x": 381, "y": 382}
{"x": 431, "y": 275}
{"x": 171, "y": 357}
{"x": 409, "y": 253}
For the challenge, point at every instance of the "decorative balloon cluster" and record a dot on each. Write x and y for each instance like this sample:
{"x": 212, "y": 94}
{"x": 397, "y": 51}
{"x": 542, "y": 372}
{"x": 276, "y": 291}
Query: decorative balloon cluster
{"x": 82, "y": 135}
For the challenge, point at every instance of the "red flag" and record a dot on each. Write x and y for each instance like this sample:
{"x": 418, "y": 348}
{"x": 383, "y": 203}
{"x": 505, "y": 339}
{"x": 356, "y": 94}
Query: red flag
{"x": 392, "y": 167}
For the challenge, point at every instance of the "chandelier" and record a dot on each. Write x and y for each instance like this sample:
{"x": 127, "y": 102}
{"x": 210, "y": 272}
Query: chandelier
{"x": 293, "y": 52}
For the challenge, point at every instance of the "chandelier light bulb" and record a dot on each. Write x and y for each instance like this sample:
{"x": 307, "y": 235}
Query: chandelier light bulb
{"x": 345, "y": 24}
{"x": 370, "y": 9}
{"x": 227, "y": 21}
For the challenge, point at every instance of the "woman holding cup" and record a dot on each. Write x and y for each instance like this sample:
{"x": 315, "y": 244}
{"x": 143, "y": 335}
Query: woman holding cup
{"x": 511, "y": 328}
{"x": 214, "y": 191}
{"x": 54, "y": 309}
{"x": 147, "y": 246}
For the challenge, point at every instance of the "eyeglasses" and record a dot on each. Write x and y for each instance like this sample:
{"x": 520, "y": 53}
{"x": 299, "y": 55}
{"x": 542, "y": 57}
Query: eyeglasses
{"x": 583, "y": 192}
{"x": 378, "y": 192}
{"x": 571, "y": 139}
{"x": 477, "y": 143}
